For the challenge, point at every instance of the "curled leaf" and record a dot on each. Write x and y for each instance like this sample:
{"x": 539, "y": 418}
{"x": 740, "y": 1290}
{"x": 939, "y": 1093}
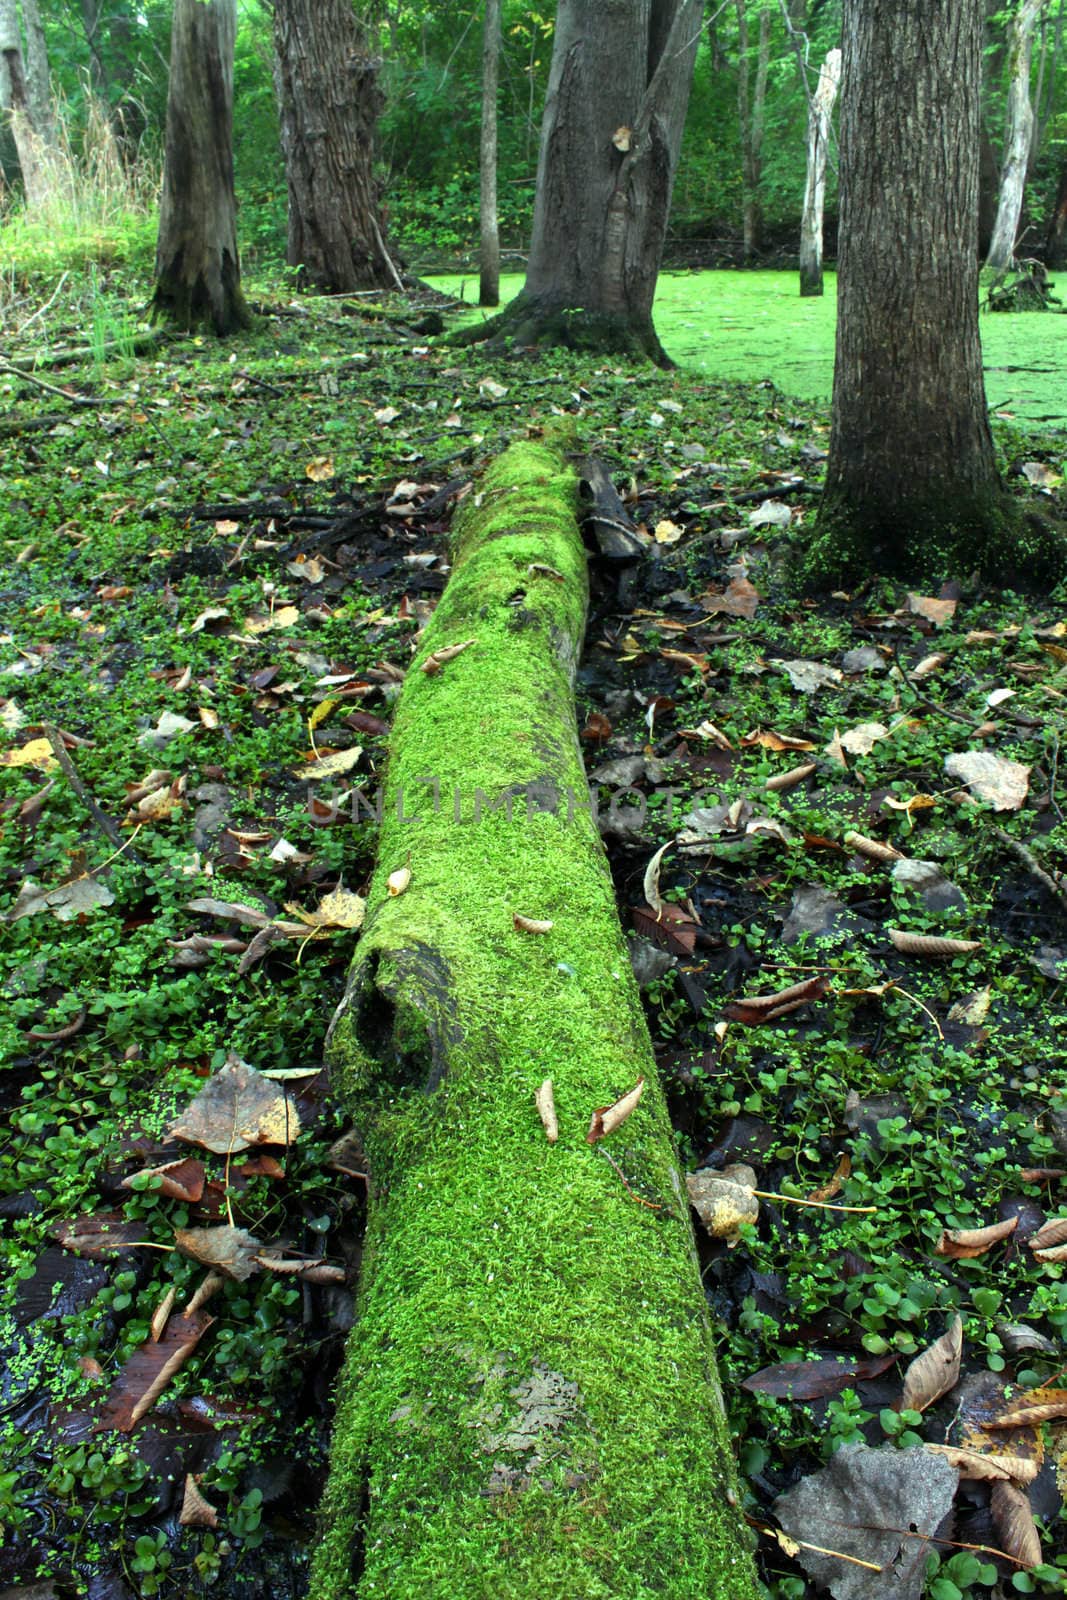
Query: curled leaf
{"x": 873, "y": 849}
{"x": 398, "y": 881}
{"x": 434, "y": 662}
{"x": 545, "y": 1102}
{"x": 922, "y": 944}
{"x": 1014, "y": 1522}
{"x": 962, "y": 1244}
{"x": 608, "y": 1118}
{"x": 789, "y": 780}
{"x": 651, "y": 883}
{"x": 531, "y": 924}
{"x": 935, "y": 1370}
{"x": 977, "y": 1465}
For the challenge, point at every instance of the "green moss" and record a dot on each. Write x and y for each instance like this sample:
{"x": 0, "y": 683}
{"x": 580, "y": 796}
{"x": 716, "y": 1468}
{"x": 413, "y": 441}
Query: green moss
{"x": 531, "y": 1405}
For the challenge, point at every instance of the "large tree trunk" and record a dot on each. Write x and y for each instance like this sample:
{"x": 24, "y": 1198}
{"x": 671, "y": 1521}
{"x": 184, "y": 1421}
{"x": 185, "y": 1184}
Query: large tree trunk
{"x": 489, "y": 275}
{"x": 819, "y": 120}
{"x": 530, "y": 1408}
{"x": 329, "y": 101}
{"x": 198, "y": 275}
{"x": 617, "y": 95}
{"x": 911, "y": 479}
{"x": 1016, "y": 137}
{"x": 30, "y": 143}
{"x": 750, "y": 114}
{"x": 38, "y": 75}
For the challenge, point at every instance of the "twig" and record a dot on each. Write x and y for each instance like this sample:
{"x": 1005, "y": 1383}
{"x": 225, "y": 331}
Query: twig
{"x": 47, "y": 305}
{"x": 49, "y": 388}
{"x": 626, "y": 1185}
{"x": 819, "y": 1205}
{"x": 105, "y": 823}
{"x": 930, "y": 705}
{"x": 1030, "y": 862}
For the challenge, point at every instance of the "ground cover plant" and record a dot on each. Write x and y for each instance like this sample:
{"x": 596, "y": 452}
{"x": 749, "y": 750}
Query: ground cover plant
{"x": 836, "y": 829}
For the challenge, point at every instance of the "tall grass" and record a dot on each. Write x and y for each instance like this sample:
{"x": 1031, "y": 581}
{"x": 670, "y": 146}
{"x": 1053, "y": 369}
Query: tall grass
{"x": 98, "y": 208}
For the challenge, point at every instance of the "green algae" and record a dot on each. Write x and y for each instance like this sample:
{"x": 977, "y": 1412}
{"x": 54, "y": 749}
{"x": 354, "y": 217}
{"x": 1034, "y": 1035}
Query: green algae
{"x": 530, "y": 1406}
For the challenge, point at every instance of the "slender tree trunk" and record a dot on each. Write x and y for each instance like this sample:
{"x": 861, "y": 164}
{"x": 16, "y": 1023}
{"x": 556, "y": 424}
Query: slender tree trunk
{"x": 30, "y": 146}
{"x": 38, "y": 75}
{"x": 617, "y": 95}
{"x": 1056, "y": 237}
{"x": 198, "y": 275}
{"x": 329, "y": 100}
{"x": 911, "y": 478}
{"x": 530, "y": 1409}
{"x": 489, "y": 280}
{"x": 750, "y": 111}
{"x": 988, "y": 190}
{"x": 819, "y": 122}
{"x": 1016, "y": 137}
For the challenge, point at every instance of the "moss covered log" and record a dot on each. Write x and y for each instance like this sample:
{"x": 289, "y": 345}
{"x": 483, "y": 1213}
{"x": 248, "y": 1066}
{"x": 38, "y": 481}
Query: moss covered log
{"x": 529, "y": 1408}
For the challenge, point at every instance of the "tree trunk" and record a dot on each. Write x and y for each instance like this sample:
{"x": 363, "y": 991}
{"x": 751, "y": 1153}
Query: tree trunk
{"x": 750, "y": 113}
{"x": 614, "y": 112}
{"x": 30, "y": 145}
{"x": 38, "y": 75}
{"x": 489, "y": 280}
{"x": 819, "y": 121}
{"x": 1016, "y": 137}
{"x": 529, "y": 1407}
{"x": 198, "y": 275}
{"x": 988, "y": 190}
{"x": 329, "y": 101}
{"x": 911, "y": 480}
{"x": 1056, "y": 237}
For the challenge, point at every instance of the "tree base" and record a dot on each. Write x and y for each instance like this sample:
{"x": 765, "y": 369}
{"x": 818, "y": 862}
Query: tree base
{"x": 989, "y": 537}
{"x": 535, "y": 323}
{"x": 810, "y": 282}
{"x": 210, "y": 299}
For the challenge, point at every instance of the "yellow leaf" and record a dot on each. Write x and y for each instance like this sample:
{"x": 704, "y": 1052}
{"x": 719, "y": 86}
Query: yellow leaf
{"x": 324, "y": 709}
{"x": 668, "y": 532}
{"x": 331, "y": 766}
{"x": 38, "y": 753}
{"x": 320, "y": 469}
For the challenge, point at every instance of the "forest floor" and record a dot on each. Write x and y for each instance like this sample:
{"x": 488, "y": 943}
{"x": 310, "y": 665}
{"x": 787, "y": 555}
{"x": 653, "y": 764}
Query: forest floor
{"x": 216, "y": 559}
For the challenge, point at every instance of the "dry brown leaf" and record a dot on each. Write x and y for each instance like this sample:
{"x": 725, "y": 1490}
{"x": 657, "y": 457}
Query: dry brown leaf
{"x": 977, "y": 1465}
{"x": 148, "y": 1370}
{"x": 928, "y": 664}
{"x": 608, "y": 1118}
{"x": 223, "y": 1249}
{"x": 236, "y": 1108}
{"x": 1003, "y": 784}
{"x": 939, "y": 612}
{"x": 330, "y": 766}
{"x": 161, "y": 1315}
{"x": 740, "y": 598}
{"x": 97, "y": 1234}
{"x": 973, "y": 1009}
{"x": 196, "y": 1512}
{"x": 923, "y": 944}
{"x": 827, "y": 1191}
{"x": 1028, "y": 1409}
{"x": 37, "y": 753}
{"x": 724, "y": 1201}
{"x": 768, "y": 740}
{"x": 915, "y": 802}
{"x": 962, "y": 1244}
{"x": 320, "y": 469}
{"x": 531, "y": 924}
{"x": 861, "y": 740}
{"x": 434, "y": 662}
{"x": 935, "y": 1370}
{"x": 545, "y": 1102}
{"x": 178, "y": 1180}
{"x": 874, "y": 849}
{"x": 651, "y": 880}
{"x": 1052, "y": 1254}
{"x": 1014, "y": 1521}
{"x": 789, "y": 780}
{"x": 835, "y": 750}
{"x": 339, "y": 909}
{"x": 761, "y": 1008}
{"x": 1053, "y": 1231}
{"x": 206, "y": 1289}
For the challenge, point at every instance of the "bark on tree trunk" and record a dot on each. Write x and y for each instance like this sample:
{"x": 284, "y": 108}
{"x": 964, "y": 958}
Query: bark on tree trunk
{"x": 750, "y": 113}
{"x": 988, "y": 190}
{"x": 911, "y": 478}
{"x": 1056, "y": 238}
{"x": 329, "y": 101}
{"x": 38, "y": 75}
{"x": 1016, "y": 137}
{"x": 819, "y": 121}
{"x": 530, "y": 1406}
{"x": 198, "y": 275}
{"x": 30, "y": 145}
{"x": 489, "y": 279}
{"x": 615, "y": 108}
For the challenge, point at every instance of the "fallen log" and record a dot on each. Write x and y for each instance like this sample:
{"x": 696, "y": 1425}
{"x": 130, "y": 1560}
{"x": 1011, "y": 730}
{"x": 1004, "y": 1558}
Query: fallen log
{"x": 529, "y": 1407}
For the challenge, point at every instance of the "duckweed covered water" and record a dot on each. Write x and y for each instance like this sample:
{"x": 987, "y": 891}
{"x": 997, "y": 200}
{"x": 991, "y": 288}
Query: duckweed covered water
{"x": 747, "y": 326}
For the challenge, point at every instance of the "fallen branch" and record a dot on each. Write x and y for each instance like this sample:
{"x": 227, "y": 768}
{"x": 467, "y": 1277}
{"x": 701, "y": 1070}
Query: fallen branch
{"x": 1033, "y": 867}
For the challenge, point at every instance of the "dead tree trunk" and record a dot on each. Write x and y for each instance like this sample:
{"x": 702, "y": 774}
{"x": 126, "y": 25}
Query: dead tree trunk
{"x": 1016, "y": 138}
{"x": 329, "y": 101}
{"x": 819, "y": 117}
{"x": 198, "y": 275}
{"x": 489, "y": 277}
{"x": 29, "y": 140}
{"x": 530, "y": 1406}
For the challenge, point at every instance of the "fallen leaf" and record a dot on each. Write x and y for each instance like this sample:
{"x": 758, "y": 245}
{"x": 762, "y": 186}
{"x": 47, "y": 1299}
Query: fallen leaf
{"x": 495, "y": 391}
{"x": 935, "y": 1370}
{"x": 863, "y": 1504}
{"x": 973, "y": 1009}
{"x": 915, "y": 802}
{"x": 768, "y": 1007}
{"x": 928, "y": 665}
{"x": 339, "y": 909}
{"x": 724, "y": 1201}
{"x": 789, "y": 780}
{"x": 836, "y": 750}
{"x": 1051, "y": 1232}
{"x": 740, "y": 598}
{"x": 1014, "y": 1522}
{"x": 1031, "y": 1406}
{"x": 814, "y": 1380}
{"x": 621, "y": 138}
{"x": 1002, "y": 783}
{"x": 667, "y": 532}
{"x": 269, "y": 622}
{"x": 178, "y": 1180}
{"x": 1040, "y": 475}
{"x": 861, "y": 740}
{"x": 196, "y": 1512}
{"x": 386, "y": 414}
{"x": 672, "y": 927}
{"x": 437, "y": 659}
{"x": 148, "y": 1369}
{"x": 771, "y": 514}
{"x": 320, "y": 469}
{"x": 97, "y": 1234}
{"x": 597, "y": 729}
{"x": 37, "y": 753}
{"x": 236, "y": 1108}
{"x": 921, "y": 944}
{"x": 962, "y": 1244}
{"x": 939, "y": 612}
{"x": 169, "y": 726}
{"x": 651, "y": 879}
{"x": 874, "y": 849}
{"x": 225, "y": 1249}
{"x": 330, "y": 766}
{"x": 828, "y": 1191}
{"x": 977, "y": 1466}
{"x": 78, "y": 898}
{"x": 530, "y": 924}
{"x": 545, "y": 1102}
{"x": 608, "y": 1118}
{"x": 808, "y": 676}
{"x": 398, "y": 881}
{"x": 768, "y": 740}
